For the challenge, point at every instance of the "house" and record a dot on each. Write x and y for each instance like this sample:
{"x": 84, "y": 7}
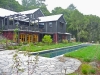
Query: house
{"x": 34, "y": 13}
{"x": 32, "y": 25}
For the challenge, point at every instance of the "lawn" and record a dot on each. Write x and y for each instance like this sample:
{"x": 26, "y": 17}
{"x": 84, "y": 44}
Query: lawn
{"x": 35, "y": 48}
{"x": 89, "y": 53}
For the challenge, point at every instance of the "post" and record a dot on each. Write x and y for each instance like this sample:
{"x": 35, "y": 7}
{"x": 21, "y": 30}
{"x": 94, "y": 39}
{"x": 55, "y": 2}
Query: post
{"x": 7, "y": 22}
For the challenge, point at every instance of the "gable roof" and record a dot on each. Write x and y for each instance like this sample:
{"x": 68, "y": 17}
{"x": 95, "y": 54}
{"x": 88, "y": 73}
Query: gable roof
{"x": 29, "y": 11}
{"x": 50, "y": 18}
{"x": 5, "y": 12}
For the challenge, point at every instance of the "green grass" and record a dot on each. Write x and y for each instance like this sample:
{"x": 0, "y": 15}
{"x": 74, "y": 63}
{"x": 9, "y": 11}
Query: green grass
{"x": 87, "y": 54}
{"x": 35, "y": 48}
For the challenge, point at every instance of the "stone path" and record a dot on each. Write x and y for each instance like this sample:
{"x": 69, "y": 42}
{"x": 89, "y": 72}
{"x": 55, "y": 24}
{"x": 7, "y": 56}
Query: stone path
{"x": 44, "y": 66}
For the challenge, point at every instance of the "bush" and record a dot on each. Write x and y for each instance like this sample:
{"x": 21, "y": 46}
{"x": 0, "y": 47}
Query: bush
{"x": 65, "y": 41}
{"x": 15, "y": 47}
{"x": 31, "y": 44}
{"x": 47, "y": 39}
{"x": 40, "y": 44}
{"x": 10, "y": 47}
{"x": 92, "y": 70}
{"x": 23, "y": 48}
{"x": 85, "y": 68}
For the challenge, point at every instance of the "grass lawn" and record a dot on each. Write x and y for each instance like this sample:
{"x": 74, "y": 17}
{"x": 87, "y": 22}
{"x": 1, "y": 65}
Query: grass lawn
{"x": 87, "y": 55}
{"x": 35, "y": 48}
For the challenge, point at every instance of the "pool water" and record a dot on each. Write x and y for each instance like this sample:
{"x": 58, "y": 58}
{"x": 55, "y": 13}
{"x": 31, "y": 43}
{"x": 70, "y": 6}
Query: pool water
{"x": 60, "y": 51}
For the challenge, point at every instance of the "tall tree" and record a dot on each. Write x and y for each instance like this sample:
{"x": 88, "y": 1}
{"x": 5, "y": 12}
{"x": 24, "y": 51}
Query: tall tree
{"x": 30, "y": 4}
{"x": 71, "y": 7}
{"x": 45, "y": 10}
{"x": 11, "y": 5}
{"x": 57, "y": 10}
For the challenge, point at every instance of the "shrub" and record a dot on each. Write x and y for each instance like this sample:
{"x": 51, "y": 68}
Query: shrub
{"x": 23, "y": 48}
{"x": 85, "y": 68}
{"x": 15, "y": 47}
{"x": 25, "y": 43}
{"x": 47, "y": 39}
{"x": 31, "y": 44}
{"x": 40, "y": 44}
{"x": 65, "y": 41}
{"x": 92, "y": 70}
{"x": 10, "y": 47}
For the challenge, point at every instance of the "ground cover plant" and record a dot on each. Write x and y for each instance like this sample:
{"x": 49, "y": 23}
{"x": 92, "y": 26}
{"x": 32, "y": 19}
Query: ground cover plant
{"x": 90, "y": 58}
{"x": 41, "y": 47}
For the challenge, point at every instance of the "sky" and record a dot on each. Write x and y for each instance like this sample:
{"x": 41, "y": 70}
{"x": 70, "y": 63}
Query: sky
{"x": 86, "y": 7}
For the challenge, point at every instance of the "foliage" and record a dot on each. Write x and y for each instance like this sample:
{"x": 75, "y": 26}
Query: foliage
{"x": 45, "y": 47}
{"x": 45, "y": 10}
{"x": 65, "y": 41}
{"x": 86, "y": 54}
{"x": 11, "y": 5}
{"x": 92, "y": 70}
{"x": 40, "y": 44}
{"x": 47, "y": 39}
{"x": 31, "y": 4}
{"x": 16, "y": 67}
{"x": 12, "y": 47}
{"x": 31, "y": 44}
{"x": 71, "y": 7}
{"x": 85, "y": 68}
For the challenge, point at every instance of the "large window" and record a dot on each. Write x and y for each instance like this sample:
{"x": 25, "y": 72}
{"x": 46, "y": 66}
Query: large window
{"x": 41, "y": 25}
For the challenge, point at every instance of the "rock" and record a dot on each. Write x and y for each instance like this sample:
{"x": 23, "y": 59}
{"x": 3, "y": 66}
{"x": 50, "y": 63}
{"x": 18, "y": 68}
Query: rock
{"x": 93, "y": 64}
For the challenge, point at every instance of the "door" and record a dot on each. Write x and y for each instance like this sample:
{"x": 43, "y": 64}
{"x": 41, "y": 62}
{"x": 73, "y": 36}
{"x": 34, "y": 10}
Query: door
{"x": 22, "y": 37}
{"x": 35, "y": 38}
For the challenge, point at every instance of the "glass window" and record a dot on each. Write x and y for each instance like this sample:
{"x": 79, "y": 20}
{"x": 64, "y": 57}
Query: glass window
{"x": 50, "y": 24}
{"x": 41, "y": 25}
{"x": 61, "y": 25}
{"x": 31, "y": 16}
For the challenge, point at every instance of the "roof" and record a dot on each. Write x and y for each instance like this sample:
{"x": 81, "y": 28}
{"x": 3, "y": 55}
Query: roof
{"x": 29, "y": 11}
{"x": 5, "y": 12}
{"x": 50, "y": 18}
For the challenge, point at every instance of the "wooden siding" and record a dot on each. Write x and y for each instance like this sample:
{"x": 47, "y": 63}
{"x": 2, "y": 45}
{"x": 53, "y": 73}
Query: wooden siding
{"x": 61, "y": 28}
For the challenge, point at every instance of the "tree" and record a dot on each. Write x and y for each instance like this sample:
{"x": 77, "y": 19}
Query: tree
{"x": 40, "y": 3}
{"x": 11, "y": 5}
{"x": 31, "y": 4}
{"x": 45, "y": 10}
{"x": 57, "y": 10}
{"x": 71, "y": 7}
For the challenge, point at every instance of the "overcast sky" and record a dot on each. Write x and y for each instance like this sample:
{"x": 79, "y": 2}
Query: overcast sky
{"x": 84, "y": 6}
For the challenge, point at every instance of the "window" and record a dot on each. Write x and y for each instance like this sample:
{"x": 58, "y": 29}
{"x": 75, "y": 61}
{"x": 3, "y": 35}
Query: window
{"x": 31, "y": 16}
{"x": 61, "y": 25}
{"x": 41, "y": 25}
{"x": 50, "y": 24}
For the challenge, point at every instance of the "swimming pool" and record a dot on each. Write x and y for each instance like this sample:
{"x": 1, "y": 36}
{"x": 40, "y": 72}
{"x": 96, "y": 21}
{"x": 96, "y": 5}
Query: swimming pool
{"x": 59, "y": 51}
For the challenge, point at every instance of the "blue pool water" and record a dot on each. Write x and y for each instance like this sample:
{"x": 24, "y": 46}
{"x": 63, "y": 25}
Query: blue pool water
{"x": 60, "y": 51}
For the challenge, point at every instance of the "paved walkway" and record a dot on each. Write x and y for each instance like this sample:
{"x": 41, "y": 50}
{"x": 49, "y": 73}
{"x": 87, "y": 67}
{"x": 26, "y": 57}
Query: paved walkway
{"x": 44, "y": 66}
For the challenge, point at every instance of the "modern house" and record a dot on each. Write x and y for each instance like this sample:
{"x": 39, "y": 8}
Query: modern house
{"x": 32, "y": 25}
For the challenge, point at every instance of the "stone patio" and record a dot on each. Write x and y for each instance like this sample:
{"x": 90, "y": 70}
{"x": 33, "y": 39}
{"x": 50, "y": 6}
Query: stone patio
{"x": 44, "y": 66}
